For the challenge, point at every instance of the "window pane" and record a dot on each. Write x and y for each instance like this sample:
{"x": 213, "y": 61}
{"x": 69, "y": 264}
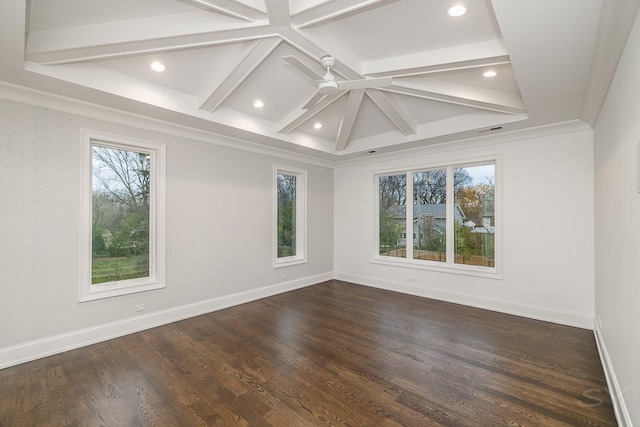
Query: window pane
{"x": 392, "y": 196}
{"x": 430, "y": 215}
{"x": 120, "y": 218}
{"x": 286, "y": 215}
{"x": 474, "y": 189}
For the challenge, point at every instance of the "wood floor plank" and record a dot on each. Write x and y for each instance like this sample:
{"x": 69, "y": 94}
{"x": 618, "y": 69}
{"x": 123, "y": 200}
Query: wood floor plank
{"x": 331, "y": 354}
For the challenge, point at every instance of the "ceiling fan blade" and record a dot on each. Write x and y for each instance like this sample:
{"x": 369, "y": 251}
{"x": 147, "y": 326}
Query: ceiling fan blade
{"x": 305, "y": 71}
{"x": 313, "y": 101}
{"x": 365, "y": 83}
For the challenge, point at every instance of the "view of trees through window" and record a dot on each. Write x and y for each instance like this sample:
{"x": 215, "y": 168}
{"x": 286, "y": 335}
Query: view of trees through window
{"x": 430, "y": 213}
{"x": 473, "y": 217}
{"x": 392, "y": 192}
{"x": 475, "y": 235}
{"x": 120, "y": 214}
{"x": 286, "y": 214}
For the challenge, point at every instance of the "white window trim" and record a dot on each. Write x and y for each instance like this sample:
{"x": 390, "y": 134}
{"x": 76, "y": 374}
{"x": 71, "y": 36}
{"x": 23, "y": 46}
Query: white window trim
{"x": 157, "y": 249}
{"x": 301, "y": 217}
{"x": 449, "y": 266}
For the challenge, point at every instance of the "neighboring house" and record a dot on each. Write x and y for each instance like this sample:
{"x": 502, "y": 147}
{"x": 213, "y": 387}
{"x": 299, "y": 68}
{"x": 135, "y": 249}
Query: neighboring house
{"x": 107, "y": 237}
{"x": 485, "y": 228}
{"x": 428, "y": 218}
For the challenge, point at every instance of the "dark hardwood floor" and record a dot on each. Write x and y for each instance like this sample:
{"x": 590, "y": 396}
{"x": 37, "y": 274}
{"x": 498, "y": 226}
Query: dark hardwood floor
{"x": 330, "y": 354}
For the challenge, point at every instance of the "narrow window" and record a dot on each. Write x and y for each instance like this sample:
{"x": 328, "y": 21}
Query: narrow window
{"x": 290, "y": 216}
{"x": 475, "y": 215}
{"x": 286, "y": 215}
{"x": 123, "y": 216}
{"x": 430, "y": 215}
{"x": 392, "y": 200}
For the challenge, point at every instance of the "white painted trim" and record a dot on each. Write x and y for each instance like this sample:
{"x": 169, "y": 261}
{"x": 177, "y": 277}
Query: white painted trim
{"x": 301, "y": 216}
{"x": 547, "y": 314}
{"x": 157, "y": 216}
{"x": 613, "y": 386}
{"x": 63, "y": 104}
{"x": 21, "y": 353}
{"x": 467, "y": 142}
{"x": 449, "y": 266}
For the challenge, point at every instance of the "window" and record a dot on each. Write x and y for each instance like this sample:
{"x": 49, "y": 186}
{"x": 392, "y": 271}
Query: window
{"x": 290, "y": 216}
{"x": 392, "y": 196}
{"x": 123, "y": 217}
{"x": 452, "y": 215}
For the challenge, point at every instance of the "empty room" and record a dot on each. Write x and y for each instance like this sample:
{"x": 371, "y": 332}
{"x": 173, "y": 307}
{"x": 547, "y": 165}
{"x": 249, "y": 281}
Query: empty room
{"x": 319, "y": 213}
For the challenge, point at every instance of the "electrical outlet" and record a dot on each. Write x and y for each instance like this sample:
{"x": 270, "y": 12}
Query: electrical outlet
{"x": 141, "y": 307}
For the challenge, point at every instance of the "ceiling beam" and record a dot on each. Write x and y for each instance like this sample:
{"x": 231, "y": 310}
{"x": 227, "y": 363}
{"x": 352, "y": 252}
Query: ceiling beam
{"x": 258, "y": 54}
{"x": 349, "y": 118}
{"x": 345, "y": 65}
{"x": 329, "y": 11}
{"x": 232, "y": 8}
{"x": 392, "y": 110}
{"x": 460, "y": 94}
{"x": 300, "y": 116}
{"x": 70, "y": 47}
{"x": 474, "y": 55}
{"x": 278, "y": 12}
{"x": 312, "y": 72}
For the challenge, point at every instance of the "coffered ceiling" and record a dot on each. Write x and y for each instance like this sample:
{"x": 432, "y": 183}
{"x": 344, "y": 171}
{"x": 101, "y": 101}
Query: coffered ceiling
{"x": 221, "y": 56}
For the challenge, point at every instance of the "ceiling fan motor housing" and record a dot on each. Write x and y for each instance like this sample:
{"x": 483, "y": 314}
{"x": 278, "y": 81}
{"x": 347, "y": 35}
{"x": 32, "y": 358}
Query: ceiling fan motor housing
{"x": 328, "y": 61}
{"x": 328, "y": 87}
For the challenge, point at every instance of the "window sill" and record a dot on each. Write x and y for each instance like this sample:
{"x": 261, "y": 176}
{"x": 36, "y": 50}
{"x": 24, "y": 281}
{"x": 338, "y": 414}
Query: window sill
{"x": 287, "y": 262}
{"x": 115, "y": 290}
{"x": 466, "y": 270}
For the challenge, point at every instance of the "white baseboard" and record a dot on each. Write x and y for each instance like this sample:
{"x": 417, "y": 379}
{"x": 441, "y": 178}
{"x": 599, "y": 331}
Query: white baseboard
{"x": 615, "y": 391}
{"x": 14, "y": 355}
{"x": 580, "y": 320}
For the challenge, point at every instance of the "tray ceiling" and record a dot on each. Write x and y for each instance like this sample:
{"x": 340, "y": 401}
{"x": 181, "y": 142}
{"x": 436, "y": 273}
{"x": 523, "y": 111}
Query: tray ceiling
{"x": 220, "y": 56}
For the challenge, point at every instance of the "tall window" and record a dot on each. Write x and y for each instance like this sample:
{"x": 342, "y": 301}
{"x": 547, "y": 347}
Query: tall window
{"x": 290, "y": 216}
{"x": 124, "y": 214}
{"x": 475, "y": 235}
{"x": 430, "y": 213}
{"x": 392, "y": 196}
{"x": 450, "y": 221}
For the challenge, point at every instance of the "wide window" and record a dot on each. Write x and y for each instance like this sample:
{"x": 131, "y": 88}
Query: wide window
{"x": 439, "y": 217}
{"x": 290, "y": 216}
{"x": 123, "y": 217}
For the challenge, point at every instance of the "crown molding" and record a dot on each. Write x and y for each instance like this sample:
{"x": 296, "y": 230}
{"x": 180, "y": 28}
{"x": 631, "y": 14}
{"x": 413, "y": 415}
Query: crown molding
{"x": 64, "y": 104}
{"x": 474, "y": 142}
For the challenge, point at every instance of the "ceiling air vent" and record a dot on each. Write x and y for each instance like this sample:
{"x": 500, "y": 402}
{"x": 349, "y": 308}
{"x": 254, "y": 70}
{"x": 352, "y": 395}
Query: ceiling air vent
{"x": 487, "y": 130}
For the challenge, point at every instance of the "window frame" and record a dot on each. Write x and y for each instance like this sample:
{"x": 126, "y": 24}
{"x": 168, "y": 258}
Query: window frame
{"x": 449, "y": 266}
{"x": 157, "y": 249}
{"x": 301, "y": 216}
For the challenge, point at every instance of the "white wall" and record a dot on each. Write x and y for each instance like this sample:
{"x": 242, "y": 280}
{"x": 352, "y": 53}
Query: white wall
{"x": 617, "y": 229}
{"x": 219, "y": 229}
{"x": 547, "y": 220}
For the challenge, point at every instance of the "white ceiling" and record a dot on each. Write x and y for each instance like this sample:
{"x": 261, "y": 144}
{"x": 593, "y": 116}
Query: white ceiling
{"x": 554, "y": 60}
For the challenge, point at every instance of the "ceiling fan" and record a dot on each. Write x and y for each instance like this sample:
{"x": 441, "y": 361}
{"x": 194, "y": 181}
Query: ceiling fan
{"x": 327, "y": 84}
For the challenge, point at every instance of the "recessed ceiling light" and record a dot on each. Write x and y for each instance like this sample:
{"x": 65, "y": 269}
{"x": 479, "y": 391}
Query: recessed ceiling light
{"x": 457, "y": 10}
{"x": 317, "y": 126}
{"x": 258, "y": 103}
{"x": 157, "y": 66}
{"x": 490, "y": 73}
